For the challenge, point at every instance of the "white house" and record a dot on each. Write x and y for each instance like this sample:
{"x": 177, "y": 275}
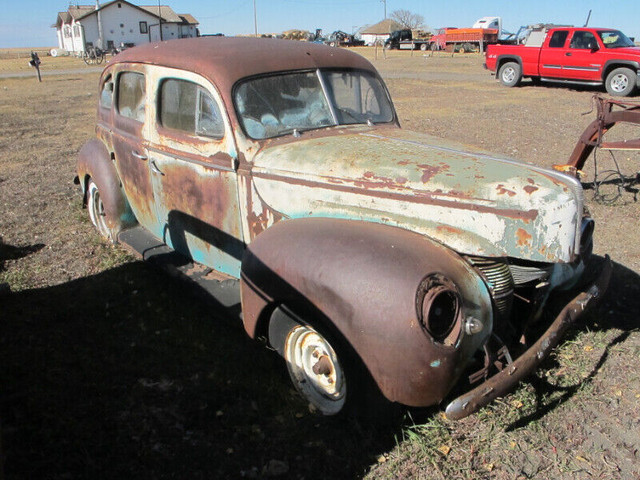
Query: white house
{"x": 119, "y": 22}
{"x": 379, "y": 32}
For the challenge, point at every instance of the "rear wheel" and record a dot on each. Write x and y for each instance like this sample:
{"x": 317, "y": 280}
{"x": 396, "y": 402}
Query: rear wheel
{"x": 510, "y": 74}
{"x": 621, "y": 82}
{"x": 95, "y": 206}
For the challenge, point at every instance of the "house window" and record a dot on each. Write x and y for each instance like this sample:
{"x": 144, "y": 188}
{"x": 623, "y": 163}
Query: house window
{"x": 131, "y": 97}
{"x": 67, "y": 31}
{"x": 144, "y": 28}
{"x": 76, "y": 31}
{"x": 188, "y": 107}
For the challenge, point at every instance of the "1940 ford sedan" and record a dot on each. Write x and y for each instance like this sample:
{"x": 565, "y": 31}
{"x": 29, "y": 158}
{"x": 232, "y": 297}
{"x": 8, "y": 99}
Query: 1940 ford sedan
{"x": 381, "y": 264}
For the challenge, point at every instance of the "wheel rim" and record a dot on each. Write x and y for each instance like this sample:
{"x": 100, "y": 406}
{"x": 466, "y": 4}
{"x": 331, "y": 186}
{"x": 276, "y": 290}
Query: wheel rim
{"x": 619, "y": 83}
{"x": 509, "y": 74}
{"x": 315, "y": 369}
{"x": 96, "y": 210}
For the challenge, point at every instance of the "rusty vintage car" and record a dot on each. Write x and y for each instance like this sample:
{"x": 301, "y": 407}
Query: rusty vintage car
{"x": 383, "y": 265}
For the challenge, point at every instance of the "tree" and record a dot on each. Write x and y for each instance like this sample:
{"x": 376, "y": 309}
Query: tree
{"x": 408, "y": 19}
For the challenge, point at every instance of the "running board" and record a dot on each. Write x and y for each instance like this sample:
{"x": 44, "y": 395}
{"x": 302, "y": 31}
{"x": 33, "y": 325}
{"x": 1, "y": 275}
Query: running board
{"x": 223, "y": 290}
{"x": 572, "y": 82}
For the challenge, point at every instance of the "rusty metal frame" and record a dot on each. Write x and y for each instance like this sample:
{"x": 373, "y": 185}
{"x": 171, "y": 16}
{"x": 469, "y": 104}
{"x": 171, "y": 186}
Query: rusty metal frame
{"x": 504, "y": 381}
{"x": 609, "y": 113}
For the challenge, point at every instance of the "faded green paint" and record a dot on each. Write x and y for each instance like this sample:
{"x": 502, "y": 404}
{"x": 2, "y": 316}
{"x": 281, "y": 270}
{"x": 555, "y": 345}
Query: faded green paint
{"x": 472, "y": 201}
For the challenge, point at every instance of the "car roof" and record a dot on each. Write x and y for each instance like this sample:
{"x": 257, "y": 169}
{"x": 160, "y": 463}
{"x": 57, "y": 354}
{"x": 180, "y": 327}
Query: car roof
{"x": 225, "y": 60}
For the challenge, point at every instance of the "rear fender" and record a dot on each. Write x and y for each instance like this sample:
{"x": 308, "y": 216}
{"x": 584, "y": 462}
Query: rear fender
{"x": 360, "y": 280}
{"x": 95, "y": 162}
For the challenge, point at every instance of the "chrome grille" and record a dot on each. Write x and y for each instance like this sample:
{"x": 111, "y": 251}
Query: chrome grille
{"x": 523, "y": 275}
{"x": 499, "y": 280}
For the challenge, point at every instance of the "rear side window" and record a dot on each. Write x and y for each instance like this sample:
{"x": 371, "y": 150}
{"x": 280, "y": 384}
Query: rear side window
{"x": 131, "y": 99}
{"x": 106, "y": 95}
{"x": 558, "y": 38}
{"x": 188, "y": 107}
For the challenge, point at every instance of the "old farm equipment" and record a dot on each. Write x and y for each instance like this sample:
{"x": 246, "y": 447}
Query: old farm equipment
{"x": 609, "y": 181}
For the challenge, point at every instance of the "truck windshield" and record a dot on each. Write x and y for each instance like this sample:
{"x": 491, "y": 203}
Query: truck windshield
{"x": 281, "y": 104}
{"x": 615, "y": 39}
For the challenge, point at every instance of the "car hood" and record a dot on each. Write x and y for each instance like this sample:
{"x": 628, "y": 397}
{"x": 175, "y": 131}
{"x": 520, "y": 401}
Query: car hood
{"x": 474, "y": 202}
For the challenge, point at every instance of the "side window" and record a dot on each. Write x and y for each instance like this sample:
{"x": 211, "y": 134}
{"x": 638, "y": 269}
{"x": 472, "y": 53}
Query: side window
{"x": 558, "y": 38}
{"x": 188, "y": 107}
{"x": 584, "y": 40}
{"x": 131, "y": 97}
{"x": 106, "y": 95}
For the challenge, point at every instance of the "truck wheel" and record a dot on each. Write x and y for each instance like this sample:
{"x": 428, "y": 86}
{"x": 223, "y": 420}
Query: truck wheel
{"x": 510, "y": 74}
{"x": 423, "y": 47}
{"x": 621, "y": 82}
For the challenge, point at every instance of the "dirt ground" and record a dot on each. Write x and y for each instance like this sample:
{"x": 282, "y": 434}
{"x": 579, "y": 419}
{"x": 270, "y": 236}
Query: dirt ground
{"x": 108, "y": 368}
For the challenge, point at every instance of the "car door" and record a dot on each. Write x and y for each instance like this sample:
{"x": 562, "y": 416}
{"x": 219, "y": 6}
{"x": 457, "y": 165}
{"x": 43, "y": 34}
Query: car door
{"x": 582, "y": 59}
{"x": 128, "y": 136}
{"x": 192, "y": 164}
{"x": 552, "y": 54}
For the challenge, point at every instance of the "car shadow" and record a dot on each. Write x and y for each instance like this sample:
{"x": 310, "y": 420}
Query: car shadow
{"x": 130, "y": 372}
{"x": 617, "y": 312}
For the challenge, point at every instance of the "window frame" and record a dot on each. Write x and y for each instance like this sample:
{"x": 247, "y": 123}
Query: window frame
{"x": 145, "y": 25}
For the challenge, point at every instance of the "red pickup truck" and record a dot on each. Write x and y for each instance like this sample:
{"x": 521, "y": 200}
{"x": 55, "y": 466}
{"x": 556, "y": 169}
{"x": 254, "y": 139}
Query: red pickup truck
{"x": 591, "y": 56}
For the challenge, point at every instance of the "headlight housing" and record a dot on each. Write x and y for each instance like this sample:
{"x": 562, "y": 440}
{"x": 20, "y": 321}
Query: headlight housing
{"x": 439, "y": 308}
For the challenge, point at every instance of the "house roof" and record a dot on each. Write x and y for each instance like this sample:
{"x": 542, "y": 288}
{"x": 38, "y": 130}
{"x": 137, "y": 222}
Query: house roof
{"x": 386, "y": 26}
{"x": 78, "y": 12}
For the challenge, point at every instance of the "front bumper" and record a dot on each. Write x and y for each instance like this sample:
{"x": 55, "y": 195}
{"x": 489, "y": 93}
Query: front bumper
{"x": 504, "y": 381}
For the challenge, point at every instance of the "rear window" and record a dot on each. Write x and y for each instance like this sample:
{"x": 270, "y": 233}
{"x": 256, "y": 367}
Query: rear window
{"x": 558, "y": 38}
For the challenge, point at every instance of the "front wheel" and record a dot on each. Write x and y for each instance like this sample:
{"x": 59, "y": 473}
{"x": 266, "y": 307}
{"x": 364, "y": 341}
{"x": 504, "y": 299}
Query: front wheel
{"x": 315, "y": 369}
{"x": 621, "y": 82}
{"x": 510, "y": 74}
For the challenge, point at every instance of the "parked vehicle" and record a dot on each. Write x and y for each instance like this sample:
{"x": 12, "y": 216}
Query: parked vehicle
{"x": 408, "y": 39}
{"x": 383, "y": 265}
{"x": 587, "y": 56}
{"x": 485, "y": 31}
{"x": 343, "y": 39}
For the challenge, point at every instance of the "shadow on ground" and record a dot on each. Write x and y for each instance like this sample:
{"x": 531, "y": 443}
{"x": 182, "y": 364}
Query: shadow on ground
{"x": 129, "y": 373}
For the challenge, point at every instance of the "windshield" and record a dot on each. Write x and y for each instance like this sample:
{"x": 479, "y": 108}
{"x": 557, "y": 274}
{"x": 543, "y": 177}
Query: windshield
{"x": 615, "y": 39}
{"x": 280, "y": 104}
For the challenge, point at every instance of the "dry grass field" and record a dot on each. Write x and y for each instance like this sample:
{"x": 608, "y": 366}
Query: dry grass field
{"x": 110, "y": 369}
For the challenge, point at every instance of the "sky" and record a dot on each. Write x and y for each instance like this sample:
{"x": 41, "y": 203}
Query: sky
{"x": 27, "y": 23}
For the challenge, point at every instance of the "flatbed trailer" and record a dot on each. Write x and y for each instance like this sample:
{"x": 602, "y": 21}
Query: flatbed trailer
{"x": 463, "y": 39}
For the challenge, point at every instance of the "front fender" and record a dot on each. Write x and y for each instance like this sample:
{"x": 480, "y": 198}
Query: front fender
{"x": 360, "y": 279}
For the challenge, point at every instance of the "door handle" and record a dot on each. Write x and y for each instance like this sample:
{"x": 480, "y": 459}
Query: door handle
{"x": 155, "y": 169}
{"x": 138, "y": 155}
{"x": 568, "y": 54}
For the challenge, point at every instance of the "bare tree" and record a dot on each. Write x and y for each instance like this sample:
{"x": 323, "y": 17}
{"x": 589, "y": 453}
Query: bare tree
{"x": 407, "y": 19}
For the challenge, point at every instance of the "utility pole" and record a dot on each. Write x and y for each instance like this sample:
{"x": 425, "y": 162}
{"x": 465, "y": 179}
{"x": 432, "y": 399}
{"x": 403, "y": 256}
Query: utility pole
{"x": 384, "y": 2}
{"x": 255, "y": 19}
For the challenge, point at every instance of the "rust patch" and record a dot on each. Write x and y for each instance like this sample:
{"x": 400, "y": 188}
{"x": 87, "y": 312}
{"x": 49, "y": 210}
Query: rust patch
{"x": 524, "y": 237}
{"x": 502, "y": 190}
{"x": 429, "y": 171}
{"x": 401, "y": 180}
{"x": 449, "y": 229}
{"x": 530, "y": 189}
